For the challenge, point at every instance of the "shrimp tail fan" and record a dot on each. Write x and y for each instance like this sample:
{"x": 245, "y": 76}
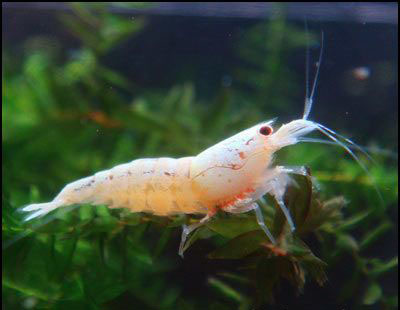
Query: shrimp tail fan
{"x": 40, "y": 209}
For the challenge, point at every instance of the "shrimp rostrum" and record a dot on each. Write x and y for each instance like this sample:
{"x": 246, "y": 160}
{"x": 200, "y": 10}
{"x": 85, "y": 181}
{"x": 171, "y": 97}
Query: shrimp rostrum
{"x": 229, "y": 176}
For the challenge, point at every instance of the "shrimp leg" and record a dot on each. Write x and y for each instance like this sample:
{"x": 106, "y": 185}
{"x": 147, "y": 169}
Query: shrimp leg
{"x": 278, "y": 187}
{"x": 301, "y": 170}
{"x": 188, "y": 229}
{"x": 260, "y": 221}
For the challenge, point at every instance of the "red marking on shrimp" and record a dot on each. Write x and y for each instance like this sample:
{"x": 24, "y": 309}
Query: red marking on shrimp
{"x": 242, "y": 155}
{"x": 230, "y": 202}
{"x": 247, "y": 143}
{"x": 235, "y": 166}
{"x": 229, "y": 166}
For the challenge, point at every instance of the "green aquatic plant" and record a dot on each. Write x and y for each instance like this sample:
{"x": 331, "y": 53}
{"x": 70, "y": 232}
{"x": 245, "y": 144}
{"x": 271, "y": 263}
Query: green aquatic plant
{"x": 66, "y": 119}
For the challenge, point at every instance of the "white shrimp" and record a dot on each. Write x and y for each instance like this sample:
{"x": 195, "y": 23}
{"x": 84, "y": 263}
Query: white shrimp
{"x": 231, "y": 176}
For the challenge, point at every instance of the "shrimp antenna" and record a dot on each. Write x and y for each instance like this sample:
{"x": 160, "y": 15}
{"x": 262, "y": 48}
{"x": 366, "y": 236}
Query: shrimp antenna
{"x": 331, "y": 134}
{"x": 307, "y": 67}
{"x": 309, "y": 99}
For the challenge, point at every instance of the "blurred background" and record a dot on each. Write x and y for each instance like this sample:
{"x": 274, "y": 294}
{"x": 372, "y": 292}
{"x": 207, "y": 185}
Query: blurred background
{"x": 89, "y": 86}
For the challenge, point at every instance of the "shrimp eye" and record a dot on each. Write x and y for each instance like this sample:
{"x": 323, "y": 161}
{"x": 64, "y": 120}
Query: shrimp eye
{"x": 266, "y": 130}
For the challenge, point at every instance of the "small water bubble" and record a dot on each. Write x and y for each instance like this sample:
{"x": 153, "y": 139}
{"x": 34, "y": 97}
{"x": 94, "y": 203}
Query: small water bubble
{"x": 361, "y": 73}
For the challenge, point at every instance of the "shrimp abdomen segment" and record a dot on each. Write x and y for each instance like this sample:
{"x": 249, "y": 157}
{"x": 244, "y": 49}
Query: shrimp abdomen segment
{"x": 157, "y": 185}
